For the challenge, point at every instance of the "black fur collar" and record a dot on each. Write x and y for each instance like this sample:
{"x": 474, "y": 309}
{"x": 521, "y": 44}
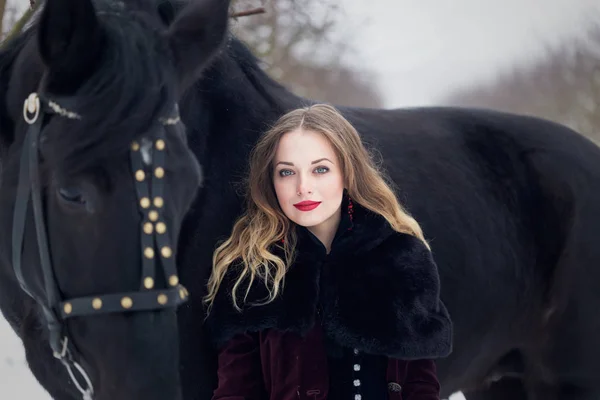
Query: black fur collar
{"x": 378, "y": 291}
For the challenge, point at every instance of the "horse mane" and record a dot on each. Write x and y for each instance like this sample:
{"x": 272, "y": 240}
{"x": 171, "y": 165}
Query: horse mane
{"x": 8, "y": 54}
{"x": 132, "y": 85}
{"x": 127, "y": 92}
{"x": 277, "y": 95}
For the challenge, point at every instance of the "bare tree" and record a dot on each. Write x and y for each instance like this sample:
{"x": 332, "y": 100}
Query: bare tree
{"x": 295, "y": 39}
{"x": 13, "y": 16}
{"x": 2, "y": 12}
{"x": 6, "y": 19}
{"x": 563, "y": 87}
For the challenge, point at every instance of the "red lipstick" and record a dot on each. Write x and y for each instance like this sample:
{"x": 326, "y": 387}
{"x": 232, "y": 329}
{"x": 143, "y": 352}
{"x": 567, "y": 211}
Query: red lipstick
{"x": 307, "y": 205}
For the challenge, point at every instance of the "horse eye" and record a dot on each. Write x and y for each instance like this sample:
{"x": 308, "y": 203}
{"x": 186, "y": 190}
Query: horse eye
{"x": 71, "y": 195}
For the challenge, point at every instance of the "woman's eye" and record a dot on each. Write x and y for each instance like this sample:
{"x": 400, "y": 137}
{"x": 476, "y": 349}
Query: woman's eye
{"x": 321, "y": 170}
{"x": 285, "y": 172}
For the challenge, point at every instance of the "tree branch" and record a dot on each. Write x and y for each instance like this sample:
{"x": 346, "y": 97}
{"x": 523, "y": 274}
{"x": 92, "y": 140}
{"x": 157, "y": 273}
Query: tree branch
{"x": 2, "y": 11}
{"x": 18, "y": 26}
{"x": 254, "y": 11}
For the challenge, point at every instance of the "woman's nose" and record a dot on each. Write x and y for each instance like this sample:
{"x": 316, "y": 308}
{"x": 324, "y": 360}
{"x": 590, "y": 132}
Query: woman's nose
{"x": 304, "y": 186}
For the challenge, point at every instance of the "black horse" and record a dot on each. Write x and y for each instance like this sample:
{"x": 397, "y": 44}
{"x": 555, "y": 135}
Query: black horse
{"x": 509, "y": 203}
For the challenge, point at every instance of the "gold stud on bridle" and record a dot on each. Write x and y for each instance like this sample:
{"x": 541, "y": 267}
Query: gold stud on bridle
{"x": 149, "y": 186}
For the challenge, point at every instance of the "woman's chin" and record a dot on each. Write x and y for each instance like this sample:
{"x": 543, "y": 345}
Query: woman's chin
{"x": 308, "y": 219}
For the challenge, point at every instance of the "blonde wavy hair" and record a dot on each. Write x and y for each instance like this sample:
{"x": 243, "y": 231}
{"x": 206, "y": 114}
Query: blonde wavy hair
{"x": 264, "y": 224}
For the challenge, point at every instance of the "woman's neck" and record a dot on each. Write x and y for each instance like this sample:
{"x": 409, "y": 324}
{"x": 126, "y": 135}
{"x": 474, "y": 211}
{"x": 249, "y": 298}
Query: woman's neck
{"x": 327, "y": 229}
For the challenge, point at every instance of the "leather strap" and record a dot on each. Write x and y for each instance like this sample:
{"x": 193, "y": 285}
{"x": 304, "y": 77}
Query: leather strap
{"x": 155, "y": 242}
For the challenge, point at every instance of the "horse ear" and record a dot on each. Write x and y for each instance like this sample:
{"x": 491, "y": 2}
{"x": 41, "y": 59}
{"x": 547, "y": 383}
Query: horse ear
{"x": 196, "y": 36}
{"x": 70, "y": 37}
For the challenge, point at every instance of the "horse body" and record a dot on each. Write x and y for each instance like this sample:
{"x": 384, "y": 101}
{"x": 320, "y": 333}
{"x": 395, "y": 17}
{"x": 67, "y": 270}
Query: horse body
{"x": 507, "y": 202}
{"x": 496, "y": 195}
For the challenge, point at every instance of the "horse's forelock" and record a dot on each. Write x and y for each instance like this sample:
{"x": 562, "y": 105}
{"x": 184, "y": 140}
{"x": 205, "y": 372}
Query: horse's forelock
{"x": 126, "y": 91}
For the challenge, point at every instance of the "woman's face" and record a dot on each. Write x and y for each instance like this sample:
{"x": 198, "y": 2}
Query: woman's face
{"x": 308, "y": 180}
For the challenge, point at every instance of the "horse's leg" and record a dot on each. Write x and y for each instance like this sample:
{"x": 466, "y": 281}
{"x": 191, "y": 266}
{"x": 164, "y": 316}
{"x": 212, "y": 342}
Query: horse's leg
{"x": 504, "y": 389}
{"x": 563, "y": 357}
{"x": 566, "y": 363}
{"x": 562, "y": 353}
{"x": 561, "y": 392}
{"x": 576, "y": 379}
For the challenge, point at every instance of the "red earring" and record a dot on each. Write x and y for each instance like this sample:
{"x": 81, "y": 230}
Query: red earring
{"x": 350, "y": 209}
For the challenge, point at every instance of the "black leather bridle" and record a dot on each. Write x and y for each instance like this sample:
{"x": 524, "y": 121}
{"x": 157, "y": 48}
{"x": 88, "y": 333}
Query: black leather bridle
{"x": 155, "y": 239}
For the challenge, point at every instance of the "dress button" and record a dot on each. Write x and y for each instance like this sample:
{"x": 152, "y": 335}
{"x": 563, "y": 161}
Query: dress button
{"x": 357, "y": 397}
{"x": 356, "y": 351}
{"x": 394, "y": 387}
{"x": 357, "y": 367}
{"x": 357, "y": 382}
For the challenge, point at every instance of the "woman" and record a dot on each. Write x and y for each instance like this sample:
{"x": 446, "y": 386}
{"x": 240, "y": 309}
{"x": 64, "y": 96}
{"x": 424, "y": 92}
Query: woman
{"x": 326, "y": 288}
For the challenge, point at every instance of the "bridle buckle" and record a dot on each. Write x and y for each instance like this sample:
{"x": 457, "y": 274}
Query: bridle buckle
{"x": 31, "y": 106}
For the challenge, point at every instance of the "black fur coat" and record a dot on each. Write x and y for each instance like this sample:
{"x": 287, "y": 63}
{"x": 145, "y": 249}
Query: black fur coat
{"x": 377, "y": 291}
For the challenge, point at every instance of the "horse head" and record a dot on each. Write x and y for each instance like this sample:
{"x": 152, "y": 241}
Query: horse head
{"x": 97, "y": 177}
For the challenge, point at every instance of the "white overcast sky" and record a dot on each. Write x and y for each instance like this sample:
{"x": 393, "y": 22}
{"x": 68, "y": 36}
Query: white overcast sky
{"x": 422, "y": 48}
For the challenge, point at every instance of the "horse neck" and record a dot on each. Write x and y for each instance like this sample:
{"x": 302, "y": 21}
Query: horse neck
{"x": 232, "y": 105}
{"x": 226, "y": 112}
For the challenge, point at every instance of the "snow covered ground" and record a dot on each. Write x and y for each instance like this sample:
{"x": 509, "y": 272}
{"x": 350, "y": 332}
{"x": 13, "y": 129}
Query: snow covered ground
{"x": 17, "y": 382}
